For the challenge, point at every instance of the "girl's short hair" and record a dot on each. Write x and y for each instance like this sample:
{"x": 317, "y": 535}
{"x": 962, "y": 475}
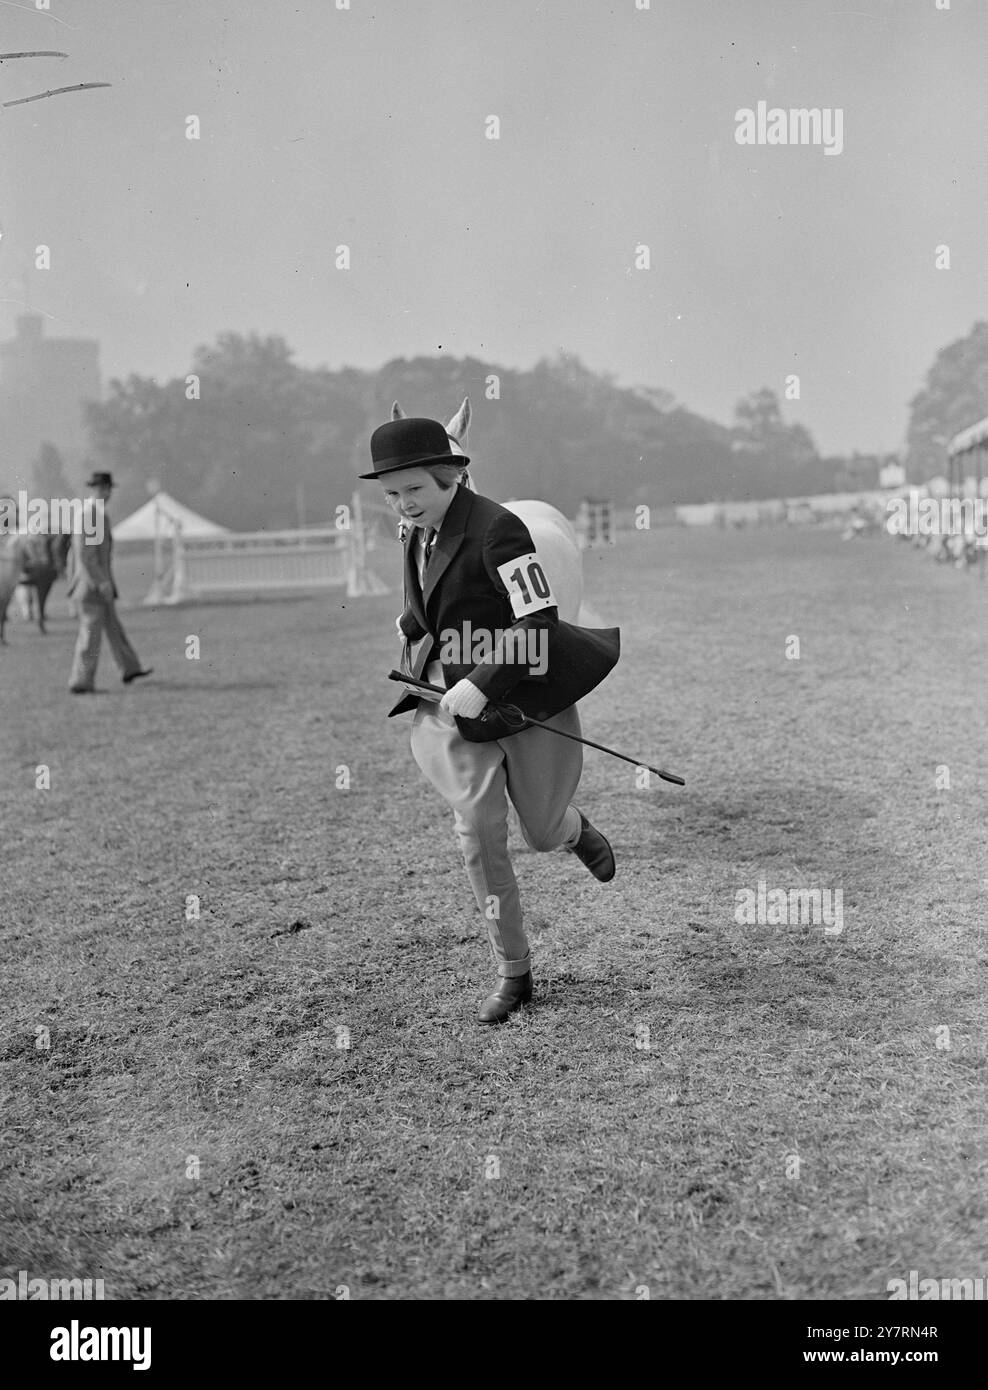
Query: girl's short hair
{"x": 446, "y": 474}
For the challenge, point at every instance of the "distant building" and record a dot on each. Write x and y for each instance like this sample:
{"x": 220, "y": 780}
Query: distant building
{"x": 43, "y": 385}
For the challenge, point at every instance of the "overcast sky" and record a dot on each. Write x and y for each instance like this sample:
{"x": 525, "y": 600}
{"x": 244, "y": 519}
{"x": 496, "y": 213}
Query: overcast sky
{"x": 366, "y": 126}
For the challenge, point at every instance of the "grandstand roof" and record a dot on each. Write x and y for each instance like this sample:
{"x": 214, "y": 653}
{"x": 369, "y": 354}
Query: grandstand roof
{"x": 969, "y": 438}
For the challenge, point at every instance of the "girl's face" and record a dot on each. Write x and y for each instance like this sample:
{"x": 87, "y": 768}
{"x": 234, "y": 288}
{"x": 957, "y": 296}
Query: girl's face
{"x": 415, "y": 495}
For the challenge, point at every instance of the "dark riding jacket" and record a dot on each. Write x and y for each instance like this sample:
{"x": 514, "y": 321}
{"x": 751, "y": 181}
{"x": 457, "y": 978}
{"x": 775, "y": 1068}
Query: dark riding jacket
{"x": 484, "y": 577}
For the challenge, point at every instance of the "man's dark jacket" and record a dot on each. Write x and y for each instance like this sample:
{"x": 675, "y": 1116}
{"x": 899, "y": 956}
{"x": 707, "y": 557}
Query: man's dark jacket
{"x": 462, "y": 584}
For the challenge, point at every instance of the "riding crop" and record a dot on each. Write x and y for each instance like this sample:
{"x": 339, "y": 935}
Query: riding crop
{"x": 513, "y": 716}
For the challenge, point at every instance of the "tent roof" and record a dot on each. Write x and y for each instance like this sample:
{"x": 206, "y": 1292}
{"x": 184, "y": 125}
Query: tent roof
{"x": 162, "y": 511}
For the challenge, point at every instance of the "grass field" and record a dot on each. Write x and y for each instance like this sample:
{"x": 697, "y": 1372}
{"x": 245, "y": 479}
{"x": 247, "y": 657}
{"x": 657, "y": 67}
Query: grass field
{"x": 194, "y": 1127}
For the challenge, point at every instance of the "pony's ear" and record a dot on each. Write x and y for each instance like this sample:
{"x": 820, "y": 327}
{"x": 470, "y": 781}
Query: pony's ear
{"x": 460, "y": 422}
{"x": 397, "y": 413}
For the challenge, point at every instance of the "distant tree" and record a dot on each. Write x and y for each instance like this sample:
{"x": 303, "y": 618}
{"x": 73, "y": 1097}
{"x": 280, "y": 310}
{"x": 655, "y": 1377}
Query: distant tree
{"x": 266, "y": 440}
{"x": 774, "y": 456}
{"x": 955, "y": 395}
{"x": 246, "y": 442}
{"x": 143, "y": 430}
{"x": 657, "y": 397}
{"x": 48, "y": 477}
{"x": 758, "y": 419}
{"x": 759, "y": 426}
{"x": 253, "y": 436}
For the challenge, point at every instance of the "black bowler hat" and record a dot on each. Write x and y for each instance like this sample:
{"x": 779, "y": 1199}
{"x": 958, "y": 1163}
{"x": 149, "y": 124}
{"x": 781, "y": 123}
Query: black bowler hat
{"x": 100, "y": 480}
{"x": 410, "y": 443}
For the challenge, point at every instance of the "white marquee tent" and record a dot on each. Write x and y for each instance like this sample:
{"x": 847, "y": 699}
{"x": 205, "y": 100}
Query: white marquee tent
{"x": 161, "y": 519}
{"x": 159, "y": 516}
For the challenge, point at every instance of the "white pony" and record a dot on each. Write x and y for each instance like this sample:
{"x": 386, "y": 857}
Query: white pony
{"x": 553, "y": 536}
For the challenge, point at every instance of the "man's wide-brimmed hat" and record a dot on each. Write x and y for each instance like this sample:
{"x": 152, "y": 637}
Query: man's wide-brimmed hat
{"x": 410, "y": 443}
{"x": 99, "y": 480}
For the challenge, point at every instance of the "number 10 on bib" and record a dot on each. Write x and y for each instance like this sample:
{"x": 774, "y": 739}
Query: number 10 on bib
{"x": 527, "y": 585}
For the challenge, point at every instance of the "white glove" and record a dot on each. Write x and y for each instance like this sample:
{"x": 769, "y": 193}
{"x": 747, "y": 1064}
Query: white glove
{"x": 464, "y": 699}
{"x": 398, "y": 626}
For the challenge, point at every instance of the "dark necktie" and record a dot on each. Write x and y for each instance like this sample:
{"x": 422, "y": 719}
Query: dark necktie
{"x": 430, "y": 545}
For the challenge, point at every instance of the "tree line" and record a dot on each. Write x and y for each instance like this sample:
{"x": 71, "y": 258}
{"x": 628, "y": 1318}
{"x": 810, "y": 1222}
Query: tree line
{"x": 251, "y": 439}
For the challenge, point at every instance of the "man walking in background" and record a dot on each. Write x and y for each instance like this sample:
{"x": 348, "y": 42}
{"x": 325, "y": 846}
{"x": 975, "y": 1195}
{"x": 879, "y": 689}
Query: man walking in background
{"x": 95, "y": 594}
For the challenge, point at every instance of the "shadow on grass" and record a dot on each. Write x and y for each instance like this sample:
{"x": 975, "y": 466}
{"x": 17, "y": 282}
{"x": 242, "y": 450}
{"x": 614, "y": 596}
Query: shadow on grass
{"x": 802, "y": 821}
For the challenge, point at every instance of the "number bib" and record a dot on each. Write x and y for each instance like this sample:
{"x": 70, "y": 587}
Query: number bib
{"x": 528, "y": 589}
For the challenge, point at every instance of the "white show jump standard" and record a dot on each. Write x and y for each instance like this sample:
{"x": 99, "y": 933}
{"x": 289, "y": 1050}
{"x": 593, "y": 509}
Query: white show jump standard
{"x": 595, "y": 522}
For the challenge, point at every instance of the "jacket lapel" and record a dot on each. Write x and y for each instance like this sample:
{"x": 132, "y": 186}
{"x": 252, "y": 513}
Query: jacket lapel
{"x": 450, "y": 539}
